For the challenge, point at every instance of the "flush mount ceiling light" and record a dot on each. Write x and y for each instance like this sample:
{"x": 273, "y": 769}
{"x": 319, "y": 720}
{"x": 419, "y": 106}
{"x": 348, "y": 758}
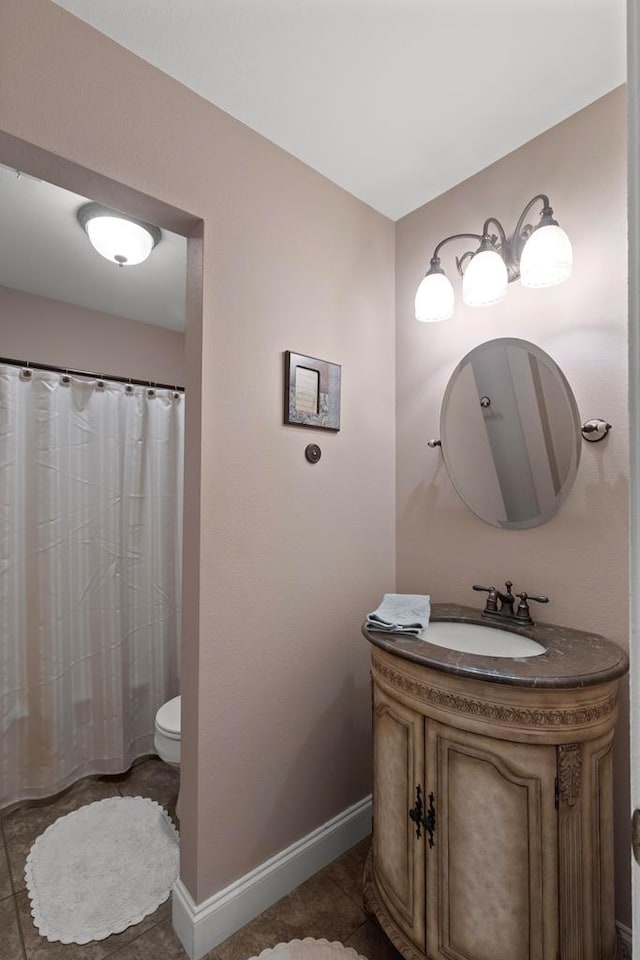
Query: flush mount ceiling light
{"x": 116, "y": 237}
{"x": 540, "y": 256}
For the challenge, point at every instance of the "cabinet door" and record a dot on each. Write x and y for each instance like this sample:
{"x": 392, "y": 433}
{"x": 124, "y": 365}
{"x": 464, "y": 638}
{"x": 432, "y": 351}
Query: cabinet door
{"x": 398, "y": 854}
{"x": 492, "y": 879}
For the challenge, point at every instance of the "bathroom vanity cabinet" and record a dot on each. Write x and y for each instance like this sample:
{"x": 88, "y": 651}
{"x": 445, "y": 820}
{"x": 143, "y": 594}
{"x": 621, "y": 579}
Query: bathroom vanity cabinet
{"x": 492, "y": 798}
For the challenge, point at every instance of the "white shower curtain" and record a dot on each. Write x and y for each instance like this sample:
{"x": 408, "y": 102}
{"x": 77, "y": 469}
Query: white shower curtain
{"x": 90, "y": 574}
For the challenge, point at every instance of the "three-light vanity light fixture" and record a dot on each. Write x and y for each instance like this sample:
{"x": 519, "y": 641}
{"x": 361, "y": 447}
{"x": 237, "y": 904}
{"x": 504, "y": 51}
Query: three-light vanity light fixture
{"x": 539, "y": 256}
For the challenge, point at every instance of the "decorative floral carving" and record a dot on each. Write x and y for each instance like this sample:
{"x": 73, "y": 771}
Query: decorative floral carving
{"x": 569, "y": 772}
{"x": 486, "y": 710}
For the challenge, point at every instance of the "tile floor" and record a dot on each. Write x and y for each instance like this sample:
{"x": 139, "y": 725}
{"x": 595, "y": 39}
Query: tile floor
{"x": 329, "y": 905}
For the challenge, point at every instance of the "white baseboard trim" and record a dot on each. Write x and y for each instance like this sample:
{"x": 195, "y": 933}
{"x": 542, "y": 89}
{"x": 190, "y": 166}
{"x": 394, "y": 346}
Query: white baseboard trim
{"x": 625, "y": 935}
{"x": 202, "y": 926}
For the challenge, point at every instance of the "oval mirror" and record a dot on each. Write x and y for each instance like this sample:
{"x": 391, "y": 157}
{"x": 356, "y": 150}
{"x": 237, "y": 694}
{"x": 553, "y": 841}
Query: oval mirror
{"x": 510, "y": 433}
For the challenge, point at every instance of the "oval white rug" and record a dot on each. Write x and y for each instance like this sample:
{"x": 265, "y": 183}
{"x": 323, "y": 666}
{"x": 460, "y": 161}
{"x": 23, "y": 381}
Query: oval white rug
{"x": 101, "y": 869}
{"x": 309, "y": 949}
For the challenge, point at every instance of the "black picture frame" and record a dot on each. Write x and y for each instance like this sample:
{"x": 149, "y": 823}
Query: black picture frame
{"x": 311, "y": 391}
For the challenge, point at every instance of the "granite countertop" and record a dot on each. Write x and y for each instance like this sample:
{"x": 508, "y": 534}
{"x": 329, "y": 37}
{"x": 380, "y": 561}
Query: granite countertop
{"x": 572, "y": 658}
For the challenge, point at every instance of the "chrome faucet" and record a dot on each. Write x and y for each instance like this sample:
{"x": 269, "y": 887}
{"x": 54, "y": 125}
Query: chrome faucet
{"x": 505, "y": 611}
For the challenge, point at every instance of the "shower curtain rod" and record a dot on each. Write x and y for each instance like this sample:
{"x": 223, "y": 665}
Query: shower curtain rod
{"x": 93, "y": 376}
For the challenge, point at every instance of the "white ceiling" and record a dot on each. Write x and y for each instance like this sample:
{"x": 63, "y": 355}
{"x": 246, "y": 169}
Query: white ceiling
{"x": 395, "y": 100}
{"x": 44, "y": 250}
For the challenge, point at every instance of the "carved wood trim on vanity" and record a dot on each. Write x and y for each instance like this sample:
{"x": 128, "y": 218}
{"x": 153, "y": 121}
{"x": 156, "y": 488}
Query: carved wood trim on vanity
{"x": 571, "y": 884}
{"x": 569, "y": 773}
{"x": 493, "y": 710}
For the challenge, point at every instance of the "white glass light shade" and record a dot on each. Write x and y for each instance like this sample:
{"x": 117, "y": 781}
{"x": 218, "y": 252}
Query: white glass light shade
{"x": 434, "y": 299}
{"x": 547, "y": 257}
{"x": 485, "y": 279}
{"x": 118, "y": 240}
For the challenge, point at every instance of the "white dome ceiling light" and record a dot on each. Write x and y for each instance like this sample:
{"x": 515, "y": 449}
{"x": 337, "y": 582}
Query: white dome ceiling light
{"x": 541, "y": 256}
{"x": 116, "y": 237}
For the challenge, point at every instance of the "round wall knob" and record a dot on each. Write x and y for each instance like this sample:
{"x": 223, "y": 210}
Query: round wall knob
{"x": 313, "y": 453}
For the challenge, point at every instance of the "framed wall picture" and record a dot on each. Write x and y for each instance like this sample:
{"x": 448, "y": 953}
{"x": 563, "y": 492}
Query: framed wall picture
{"x": 311, "y": 391}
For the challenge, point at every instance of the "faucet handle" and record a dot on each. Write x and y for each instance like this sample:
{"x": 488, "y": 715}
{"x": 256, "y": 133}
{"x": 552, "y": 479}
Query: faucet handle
{"x": 491, "y": 605}
{"x": 530, "y": 596}
{"x": 523, "y": 614}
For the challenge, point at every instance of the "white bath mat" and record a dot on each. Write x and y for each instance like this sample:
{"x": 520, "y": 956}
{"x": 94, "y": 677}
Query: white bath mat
{"x": 309, "y": 949}
{"x": 101, "y": 869}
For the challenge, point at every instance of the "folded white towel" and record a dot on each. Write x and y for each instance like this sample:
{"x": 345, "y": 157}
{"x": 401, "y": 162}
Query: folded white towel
{"x": 405, "y": 613}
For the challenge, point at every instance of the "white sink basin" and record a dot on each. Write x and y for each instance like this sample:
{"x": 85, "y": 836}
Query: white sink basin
{"x": 483, "y": 641}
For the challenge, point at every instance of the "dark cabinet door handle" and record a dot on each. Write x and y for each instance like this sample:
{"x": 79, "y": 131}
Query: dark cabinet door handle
{"x": 429, "y": 822}
{"x": 415, "y": 813}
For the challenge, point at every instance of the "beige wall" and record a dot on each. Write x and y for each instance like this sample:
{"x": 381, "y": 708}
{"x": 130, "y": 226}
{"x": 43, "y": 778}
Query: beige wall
{"x": 41, "y": 330}
{"x": 282, "y": 559}
{"x": 579, "y": 557}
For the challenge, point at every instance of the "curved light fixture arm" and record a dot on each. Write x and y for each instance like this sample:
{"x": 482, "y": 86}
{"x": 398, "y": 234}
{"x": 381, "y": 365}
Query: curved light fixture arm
{"x": 454, "y": 236}
{"x": 435, "y": 259}
{"x": 502, "y": 237}
{"x": 546, "y": 212}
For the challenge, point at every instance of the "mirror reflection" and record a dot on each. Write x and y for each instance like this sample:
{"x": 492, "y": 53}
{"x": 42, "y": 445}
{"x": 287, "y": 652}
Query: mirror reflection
{"x": 510, "y": 432}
